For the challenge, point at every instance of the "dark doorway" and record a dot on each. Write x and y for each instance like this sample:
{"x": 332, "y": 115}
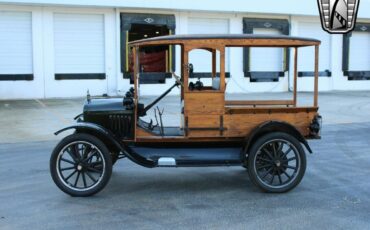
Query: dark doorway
{"x": 152, "y": 59}
{"x": 156, "y": 63}
{"x": 140, "y": 31}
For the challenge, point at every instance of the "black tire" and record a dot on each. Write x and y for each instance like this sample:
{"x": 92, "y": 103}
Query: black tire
{"x": 87, "y": 159}
{"x": 273, "y": 155}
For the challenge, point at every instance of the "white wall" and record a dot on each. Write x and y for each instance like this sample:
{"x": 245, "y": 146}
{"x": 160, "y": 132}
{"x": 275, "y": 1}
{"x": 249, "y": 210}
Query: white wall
{"x": 44, "y": 84}
{"x": 337, "y": 81}
{"x": 311, "y": 27}
{"x": 238, "y": 83}
{"x": 287, "y": 7}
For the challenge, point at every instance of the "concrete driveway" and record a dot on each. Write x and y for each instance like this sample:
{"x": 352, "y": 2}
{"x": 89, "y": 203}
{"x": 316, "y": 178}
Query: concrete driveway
{"x": 334, "y": 193}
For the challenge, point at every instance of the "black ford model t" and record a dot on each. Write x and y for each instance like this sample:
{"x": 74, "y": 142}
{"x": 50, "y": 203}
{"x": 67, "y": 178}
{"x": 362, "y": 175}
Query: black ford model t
{"x": 270, "y": 135}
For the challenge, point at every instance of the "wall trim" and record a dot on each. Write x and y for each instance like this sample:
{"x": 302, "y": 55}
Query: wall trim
{"x": 16, "y": 77}
{"x": 326, "y": 73}
{"x": 80, "y": 76}
{"x": 150, "y": 77}
{"x": 264, "y": 76}
{"x": 207, "y": 75}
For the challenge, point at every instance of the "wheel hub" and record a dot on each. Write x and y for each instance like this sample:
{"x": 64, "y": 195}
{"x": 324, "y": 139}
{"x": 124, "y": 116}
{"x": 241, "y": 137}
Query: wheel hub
{"x": 277, "y": 163}
{"x": 79, "y": 167}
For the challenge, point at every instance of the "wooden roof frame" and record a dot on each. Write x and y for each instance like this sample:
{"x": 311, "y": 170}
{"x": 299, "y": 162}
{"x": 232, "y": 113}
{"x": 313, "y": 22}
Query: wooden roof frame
{"x": 229, "y": 40}
{"x": 220, "y": 42}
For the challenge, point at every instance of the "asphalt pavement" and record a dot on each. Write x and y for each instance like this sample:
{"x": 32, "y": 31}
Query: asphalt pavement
{"x": 334, "y": 193}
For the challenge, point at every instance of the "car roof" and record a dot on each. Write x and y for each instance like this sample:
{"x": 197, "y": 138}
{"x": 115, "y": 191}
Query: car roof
{"x": 230, "y": 40}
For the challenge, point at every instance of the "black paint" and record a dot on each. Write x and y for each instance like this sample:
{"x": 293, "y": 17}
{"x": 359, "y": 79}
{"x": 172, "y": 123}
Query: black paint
{"x": 80, "y": 76}
{"x": 16, "y": 77}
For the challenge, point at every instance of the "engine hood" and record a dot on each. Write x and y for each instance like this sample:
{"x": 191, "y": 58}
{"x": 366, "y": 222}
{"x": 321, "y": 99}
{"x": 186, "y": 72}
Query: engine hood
{"x": 105, "y": 105}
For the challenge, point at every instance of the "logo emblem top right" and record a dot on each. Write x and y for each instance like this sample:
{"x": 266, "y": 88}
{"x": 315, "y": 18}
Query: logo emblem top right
{"x": 338, "y": 16}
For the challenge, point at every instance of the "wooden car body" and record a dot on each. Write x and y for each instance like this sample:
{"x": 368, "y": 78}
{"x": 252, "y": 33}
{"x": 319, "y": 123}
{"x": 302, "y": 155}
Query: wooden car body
{"x": 207, "y": 114}
{"x": 267, "y": 136}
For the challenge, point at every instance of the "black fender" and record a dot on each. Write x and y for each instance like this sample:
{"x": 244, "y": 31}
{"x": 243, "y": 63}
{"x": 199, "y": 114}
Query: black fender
{"x": 109, "y": 138}
{"x": 273, "y": 126}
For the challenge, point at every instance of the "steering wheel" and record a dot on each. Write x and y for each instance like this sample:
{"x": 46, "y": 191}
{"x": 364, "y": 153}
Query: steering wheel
{"x": 177, "y": 78}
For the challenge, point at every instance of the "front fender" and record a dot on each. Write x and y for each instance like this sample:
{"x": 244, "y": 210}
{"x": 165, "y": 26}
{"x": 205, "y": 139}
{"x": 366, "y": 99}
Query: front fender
{"x": 109, "y": 137}
{"x": 86, "y": 125}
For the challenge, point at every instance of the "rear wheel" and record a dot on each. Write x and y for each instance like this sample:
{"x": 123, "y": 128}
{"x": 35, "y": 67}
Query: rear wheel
{"x": 81, "y": 165}
{"x": 276, "y": 162}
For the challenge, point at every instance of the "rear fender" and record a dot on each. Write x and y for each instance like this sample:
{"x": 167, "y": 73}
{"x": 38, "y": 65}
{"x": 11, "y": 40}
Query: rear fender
{"x": 273, "y": 126}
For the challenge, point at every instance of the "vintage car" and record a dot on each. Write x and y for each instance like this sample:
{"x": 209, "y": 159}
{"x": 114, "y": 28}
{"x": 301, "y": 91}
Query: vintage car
{"x": 270, "y": 135}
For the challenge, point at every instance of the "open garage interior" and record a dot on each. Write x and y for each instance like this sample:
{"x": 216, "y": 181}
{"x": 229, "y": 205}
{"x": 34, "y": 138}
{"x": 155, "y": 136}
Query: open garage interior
{"x": 156, "y": 63}
{"x": 152, "y": 59}
{"x": 61, "y": 52}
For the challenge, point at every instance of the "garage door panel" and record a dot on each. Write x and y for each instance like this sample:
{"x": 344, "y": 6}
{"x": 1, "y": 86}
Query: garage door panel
{"x": 306, "y": 55}
{"x": 79, "y": 43}
{"x": 359, "y": 57}
{"x": 266, "y": 59}
{"x": 16, "y": 43}
{"x": 201, "y": 59}
{"x": 79, "y": 55}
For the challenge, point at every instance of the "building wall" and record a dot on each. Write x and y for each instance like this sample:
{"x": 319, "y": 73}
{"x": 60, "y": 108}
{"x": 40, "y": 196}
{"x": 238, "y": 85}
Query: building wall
{"x": 44, "y": 84}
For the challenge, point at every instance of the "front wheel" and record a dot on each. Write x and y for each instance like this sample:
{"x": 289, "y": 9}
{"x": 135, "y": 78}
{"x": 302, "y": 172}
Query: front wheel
{"x": 81, "y": 165}
{"x": 115, "y": 157}
{"x": 276, "y": 162}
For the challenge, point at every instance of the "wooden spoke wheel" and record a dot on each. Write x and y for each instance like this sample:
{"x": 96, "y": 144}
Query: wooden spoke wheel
{"x": 81, "y": 165}
{"x": 276, "y": 162}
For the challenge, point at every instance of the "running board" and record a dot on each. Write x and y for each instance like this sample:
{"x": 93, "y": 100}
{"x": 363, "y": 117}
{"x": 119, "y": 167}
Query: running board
{"x": 191, "y": 157}
{"x": 137, "y": 158}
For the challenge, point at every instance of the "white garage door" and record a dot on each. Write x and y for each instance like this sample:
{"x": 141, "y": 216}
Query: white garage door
{"x": 79, "y": 55}
{"x": 202, "y": 60}
{"x": 306, "y": 56}
{"x": 79, "y": 43}
{"x": 359, "y": 56}
{"x": 266, "y": 59}
{"x": 15, "y": 43}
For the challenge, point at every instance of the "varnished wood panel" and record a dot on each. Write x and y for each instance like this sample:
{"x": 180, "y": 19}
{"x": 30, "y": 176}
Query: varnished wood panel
{"x": 267, "y": 110}
{"x": 204, "y": 103}
{"x": 295, "y": 76}
{"x": 140, "y": 132}
{"x": 203, "y": 121}
{"x": 259, "y": 102}
{"x": 240, "y": 125}
{"x": 316, "y": 83}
